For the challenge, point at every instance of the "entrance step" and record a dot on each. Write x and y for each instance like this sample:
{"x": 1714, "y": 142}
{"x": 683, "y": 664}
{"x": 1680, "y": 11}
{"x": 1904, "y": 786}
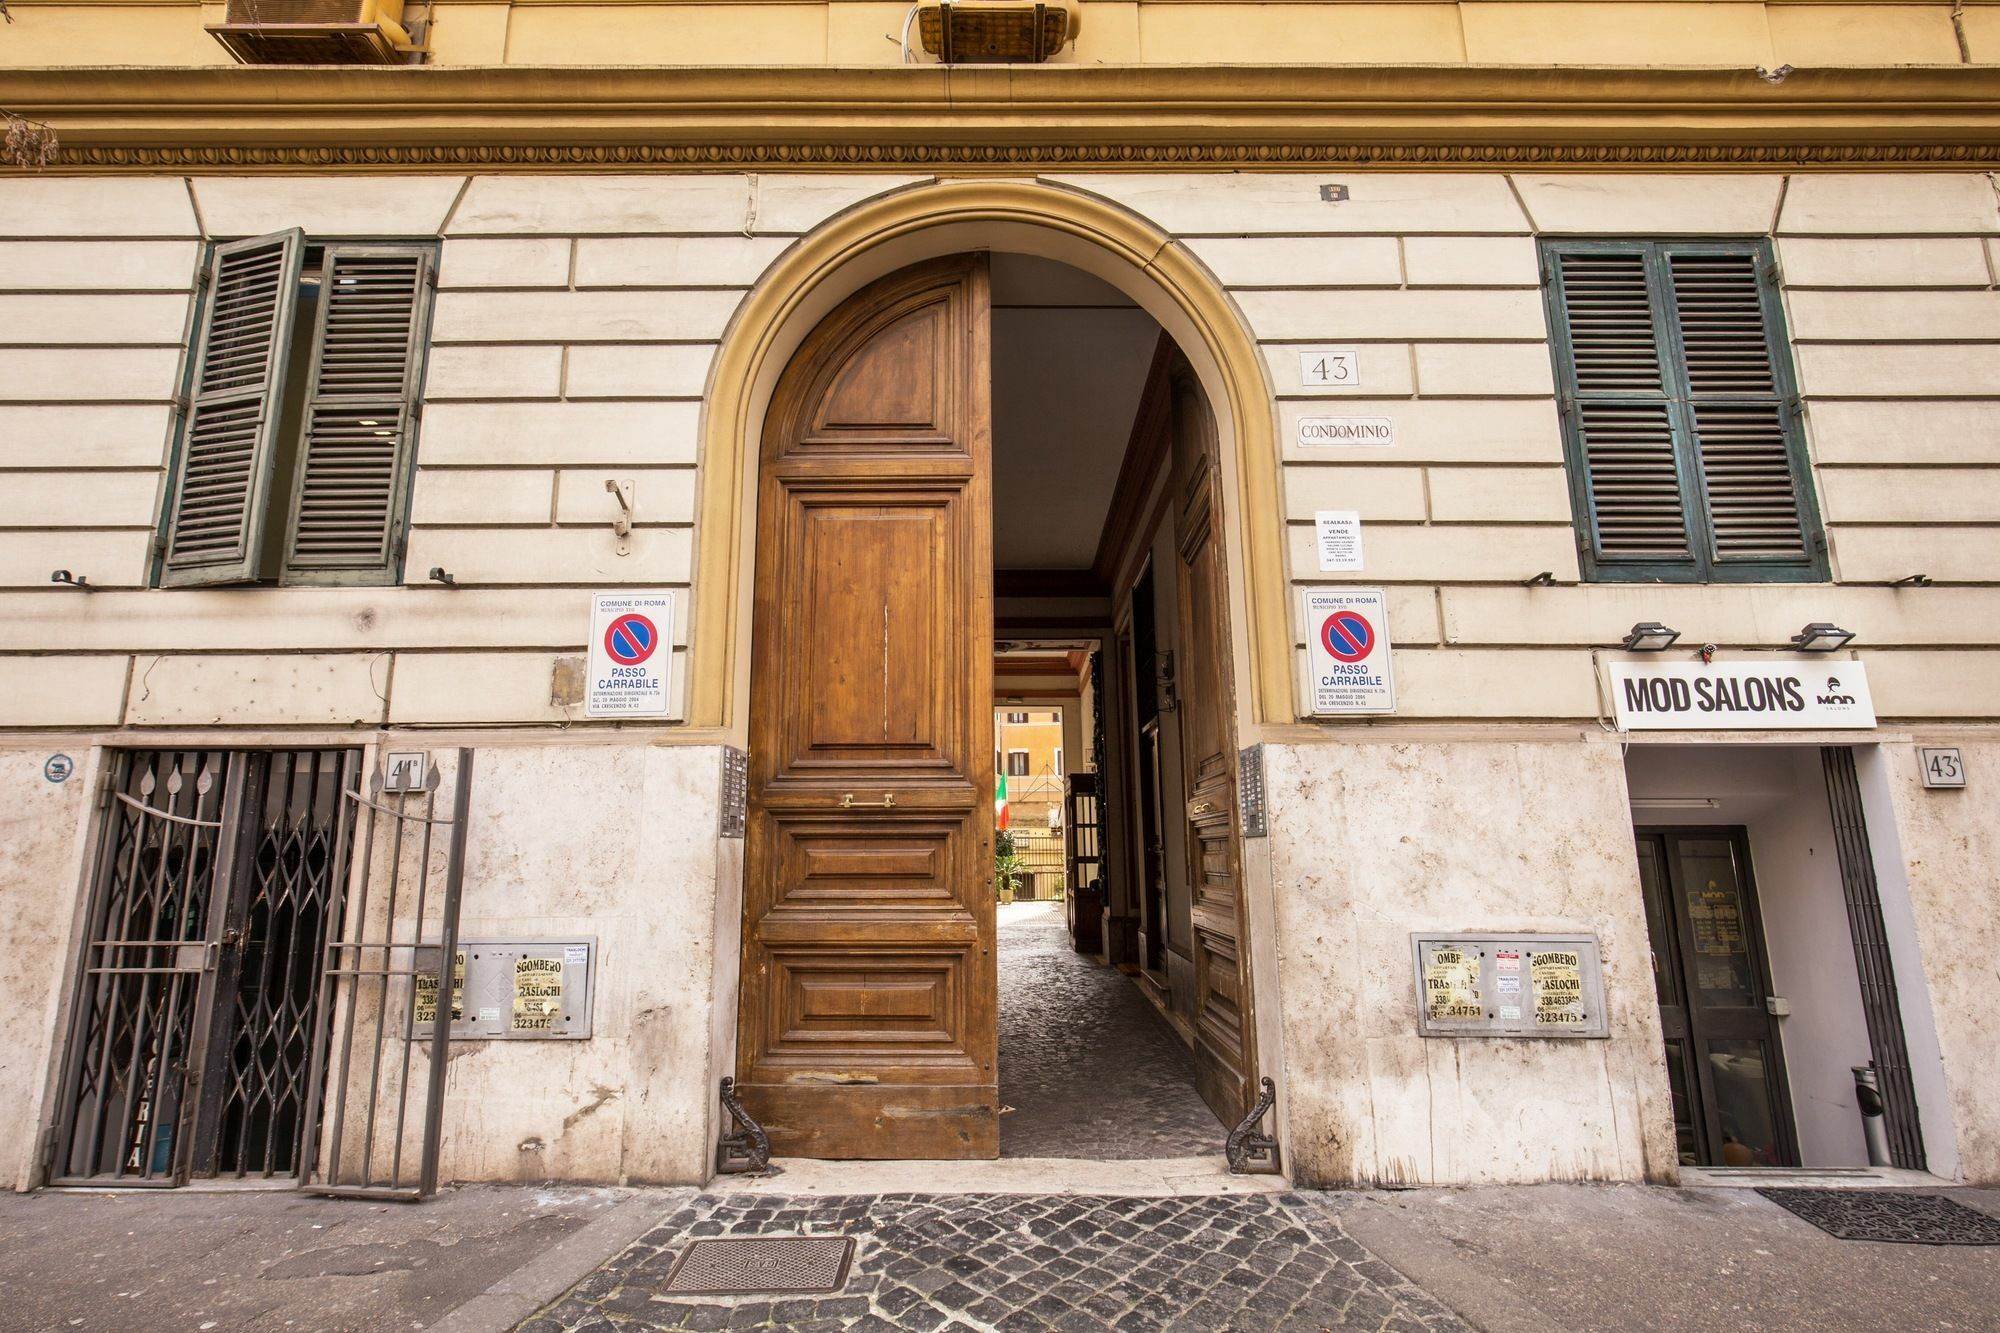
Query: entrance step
{"x": 1827, "y": 1178}
{"x": 1157, "y": 1178}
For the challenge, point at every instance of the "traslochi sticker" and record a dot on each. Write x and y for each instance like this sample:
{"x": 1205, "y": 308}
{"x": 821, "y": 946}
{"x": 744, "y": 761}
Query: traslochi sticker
{"x": 631, "y": 653}
{"x": 1347, "y": 650}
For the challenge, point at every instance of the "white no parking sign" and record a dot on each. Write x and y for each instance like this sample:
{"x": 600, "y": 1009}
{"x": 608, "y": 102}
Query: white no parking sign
{"x": 631, "y": 651}
{"x": 1347, "y": 650}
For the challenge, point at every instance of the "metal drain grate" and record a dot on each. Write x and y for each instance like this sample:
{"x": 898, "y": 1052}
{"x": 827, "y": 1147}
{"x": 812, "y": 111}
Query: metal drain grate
{"x": 1890, "y": 1215}
{"x": 742, "y": 1265}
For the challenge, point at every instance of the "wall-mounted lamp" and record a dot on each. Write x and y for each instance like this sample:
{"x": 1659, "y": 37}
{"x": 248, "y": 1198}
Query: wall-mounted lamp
{"x": 1912, "y": 581}
{"x": 63, "y": 576}
{"x": 1545, "y": 579}
{"x": 439, "y": 576}
{"x": 1650, "y": 636}
{"x": 1820, "y": 637}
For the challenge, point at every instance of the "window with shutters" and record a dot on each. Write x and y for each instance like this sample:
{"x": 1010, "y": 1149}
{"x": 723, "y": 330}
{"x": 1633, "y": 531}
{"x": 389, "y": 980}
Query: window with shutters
{"x": 298, "y": 430}
{"x": 1686, "y": 456}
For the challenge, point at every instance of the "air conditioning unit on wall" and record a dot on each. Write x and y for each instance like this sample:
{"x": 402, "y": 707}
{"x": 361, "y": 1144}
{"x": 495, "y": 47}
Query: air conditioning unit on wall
{"x": 969, "y": 32}
{"x": 315, "y": 32}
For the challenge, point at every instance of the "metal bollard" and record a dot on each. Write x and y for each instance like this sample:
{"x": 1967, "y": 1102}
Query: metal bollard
{"x": 1868, "y": 1095}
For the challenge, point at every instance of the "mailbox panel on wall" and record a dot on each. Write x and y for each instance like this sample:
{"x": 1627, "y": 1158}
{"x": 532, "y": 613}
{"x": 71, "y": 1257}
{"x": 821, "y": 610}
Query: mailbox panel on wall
{"x": 514, "y": 990}
{"x": 1475, "y": 985}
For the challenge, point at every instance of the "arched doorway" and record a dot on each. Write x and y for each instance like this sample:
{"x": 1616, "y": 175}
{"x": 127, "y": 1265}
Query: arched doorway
{"x": 868, "y": 999}
{"x": 934, "y": 220}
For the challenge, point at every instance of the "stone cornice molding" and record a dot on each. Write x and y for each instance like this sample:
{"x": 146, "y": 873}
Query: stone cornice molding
{"x": 1002, "y": 119}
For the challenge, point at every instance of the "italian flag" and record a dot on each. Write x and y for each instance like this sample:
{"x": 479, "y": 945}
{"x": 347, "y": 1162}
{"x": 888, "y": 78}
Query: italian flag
{"x": 1001, "y": 819}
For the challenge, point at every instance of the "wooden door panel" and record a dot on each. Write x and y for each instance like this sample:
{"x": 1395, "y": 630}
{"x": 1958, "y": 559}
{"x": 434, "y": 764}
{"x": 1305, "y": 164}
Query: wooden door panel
{"x": 878, "y": 391}
{"x": 867, "y": 1024}
{"x": 1225, "y": 1057}
{"x": 1220, "y": 1017}
{"x": 905, "y": 1005}
{"x": 900, "y": 382}
{"x": 874, "y": 591}
{"x": 894, "y": 866}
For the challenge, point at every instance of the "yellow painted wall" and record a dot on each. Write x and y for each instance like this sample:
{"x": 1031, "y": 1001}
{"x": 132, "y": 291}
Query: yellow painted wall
{"x": 1743, "y": 33}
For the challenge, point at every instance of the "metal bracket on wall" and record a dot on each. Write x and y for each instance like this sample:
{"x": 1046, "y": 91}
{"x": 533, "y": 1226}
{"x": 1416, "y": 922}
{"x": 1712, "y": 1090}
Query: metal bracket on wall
{"x": 624, "y": 492}
{"x": 747, "y": 1151}
{"x": 1250, "y": 1152}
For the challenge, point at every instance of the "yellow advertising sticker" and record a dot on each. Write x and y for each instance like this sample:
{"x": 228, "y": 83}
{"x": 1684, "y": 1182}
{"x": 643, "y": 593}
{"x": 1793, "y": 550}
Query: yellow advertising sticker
{"x": 427, "y": 993}
{"x": 538, "y": 988}
{"x": 1451, "y": 985}
{"x": 1557, "y": 975}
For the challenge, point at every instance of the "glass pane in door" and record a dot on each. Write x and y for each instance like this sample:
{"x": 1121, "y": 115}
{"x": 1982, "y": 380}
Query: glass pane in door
{"x": 1723, "y": 974}
{"x": 1740, "y": 1079}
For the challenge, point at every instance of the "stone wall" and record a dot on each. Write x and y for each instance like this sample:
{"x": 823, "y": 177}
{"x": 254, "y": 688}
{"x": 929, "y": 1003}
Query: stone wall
{"x": 1373, "y": 841}
{"x": 1948, "y": 846}
{"x": 577, "y": 318}
{"x": 40, "y": 826}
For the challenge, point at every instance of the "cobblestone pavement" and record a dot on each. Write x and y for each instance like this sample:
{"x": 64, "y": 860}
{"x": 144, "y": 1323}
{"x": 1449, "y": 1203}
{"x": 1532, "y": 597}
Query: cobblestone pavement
{"x": 1087, "y": 1066}
{"x": 1072, "y": 1263}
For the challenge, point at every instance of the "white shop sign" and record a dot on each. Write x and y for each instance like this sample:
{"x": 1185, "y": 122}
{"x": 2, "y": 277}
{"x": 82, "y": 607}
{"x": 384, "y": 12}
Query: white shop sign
{"x": 1740, "y": 696}
{"x": 1340, "y": 432}
{"x": 1347, "y": 638}
{"x": 631, "y": 654}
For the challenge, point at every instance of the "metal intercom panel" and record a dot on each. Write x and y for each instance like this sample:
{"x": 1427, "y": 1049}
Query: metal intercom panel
{"x": 1250, "y": 791}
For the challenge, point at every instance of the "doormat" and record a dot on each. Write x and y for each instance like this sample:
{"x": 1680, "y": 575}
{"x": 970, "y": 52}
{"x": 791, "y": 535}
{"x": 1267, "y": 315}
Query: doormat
{"x": 745, "y": 1265}
{"x": 1889, "y": 1215}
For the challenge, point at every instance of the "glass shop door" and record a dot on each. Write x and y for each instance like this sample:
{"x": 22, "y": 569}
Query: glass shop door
{"x": 1724, "y": 1062}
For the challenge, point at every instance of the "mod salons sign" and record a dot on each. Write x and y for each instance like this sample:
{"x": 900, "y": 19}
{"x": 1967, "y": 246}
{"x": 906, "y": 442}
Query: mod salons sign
{"x": 1740, "y": 696}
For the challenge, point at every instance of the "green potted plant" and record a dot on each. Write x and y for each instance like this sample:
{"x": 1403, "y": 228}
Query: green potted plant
{"x": 1006, "y": 865}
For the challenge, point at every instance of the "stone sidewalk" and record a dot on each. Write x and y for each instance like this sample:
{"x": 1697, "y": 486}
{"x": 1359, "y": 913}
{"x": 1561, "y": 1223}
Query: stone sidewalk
{"x": 1018, "y": 1263}
{"x": 1536, "y": 1259}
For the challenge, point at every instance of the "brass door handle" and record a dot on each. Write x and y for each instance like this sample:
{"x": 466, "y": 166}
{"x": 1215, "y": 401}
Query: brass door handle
{"x": 888, "y": 802}
{"x": 1200, "y": 808}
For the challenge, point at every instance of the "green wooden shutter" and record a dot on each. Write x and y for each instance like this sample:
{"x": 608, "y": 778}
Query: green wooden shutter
{"x": 1685, "y": 456}
{"x": 1742, "y": 435}
{"x": 1617, "y": 401}
{"x": 350, "y": 497}
{"x": 222, "y": 483}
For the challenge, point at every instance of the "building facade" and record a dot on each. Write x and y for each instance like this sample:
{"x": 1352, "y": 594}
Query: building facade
{"x": 335, "y": 402}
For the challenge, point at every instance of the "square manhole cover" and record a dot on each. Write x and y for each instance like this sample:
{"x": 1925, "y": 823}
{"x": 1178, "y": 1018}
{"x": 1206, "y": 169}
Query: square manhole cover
{"x": 1889, "y": 1215}
{"x": 742, "y": 1265}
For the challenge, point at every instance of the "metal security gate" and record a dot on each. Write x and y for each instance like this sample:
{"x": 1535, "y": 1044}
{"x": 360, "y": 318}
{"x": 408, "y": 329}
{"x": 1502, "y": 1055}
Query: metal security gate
{"x": 196, "y": 1016}
{"x": 384, "y": 1073}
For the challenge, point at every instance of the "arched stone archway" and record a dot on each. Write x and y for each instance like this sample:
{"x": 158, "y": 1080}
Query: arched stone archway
{"x": 932, "y": 220}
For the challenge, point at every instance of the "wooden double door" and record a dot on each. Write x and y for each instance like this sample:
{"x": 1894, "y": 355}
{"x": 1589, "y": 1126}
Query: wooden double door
{"x": 868, "y": 1014}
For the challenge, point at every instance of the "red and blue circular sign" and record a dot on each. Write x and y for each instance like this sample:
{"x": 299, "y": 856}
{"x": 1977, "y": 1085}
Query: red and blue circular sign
{"x": 631, "y": 639}
{"x": 1347, "y": 635}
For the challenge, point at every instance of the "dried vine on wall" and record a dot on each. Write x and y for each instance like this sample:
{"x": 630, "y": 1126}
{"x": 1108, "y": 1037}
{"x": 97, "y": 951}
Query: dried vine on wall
{"x": 29, "y": 143}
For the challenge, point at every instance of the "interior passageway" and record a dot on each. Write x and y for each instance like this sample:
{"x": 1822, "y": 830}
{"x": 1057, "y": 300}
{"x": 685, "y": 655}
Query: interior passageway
{"x": 1088, "y": 1068}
